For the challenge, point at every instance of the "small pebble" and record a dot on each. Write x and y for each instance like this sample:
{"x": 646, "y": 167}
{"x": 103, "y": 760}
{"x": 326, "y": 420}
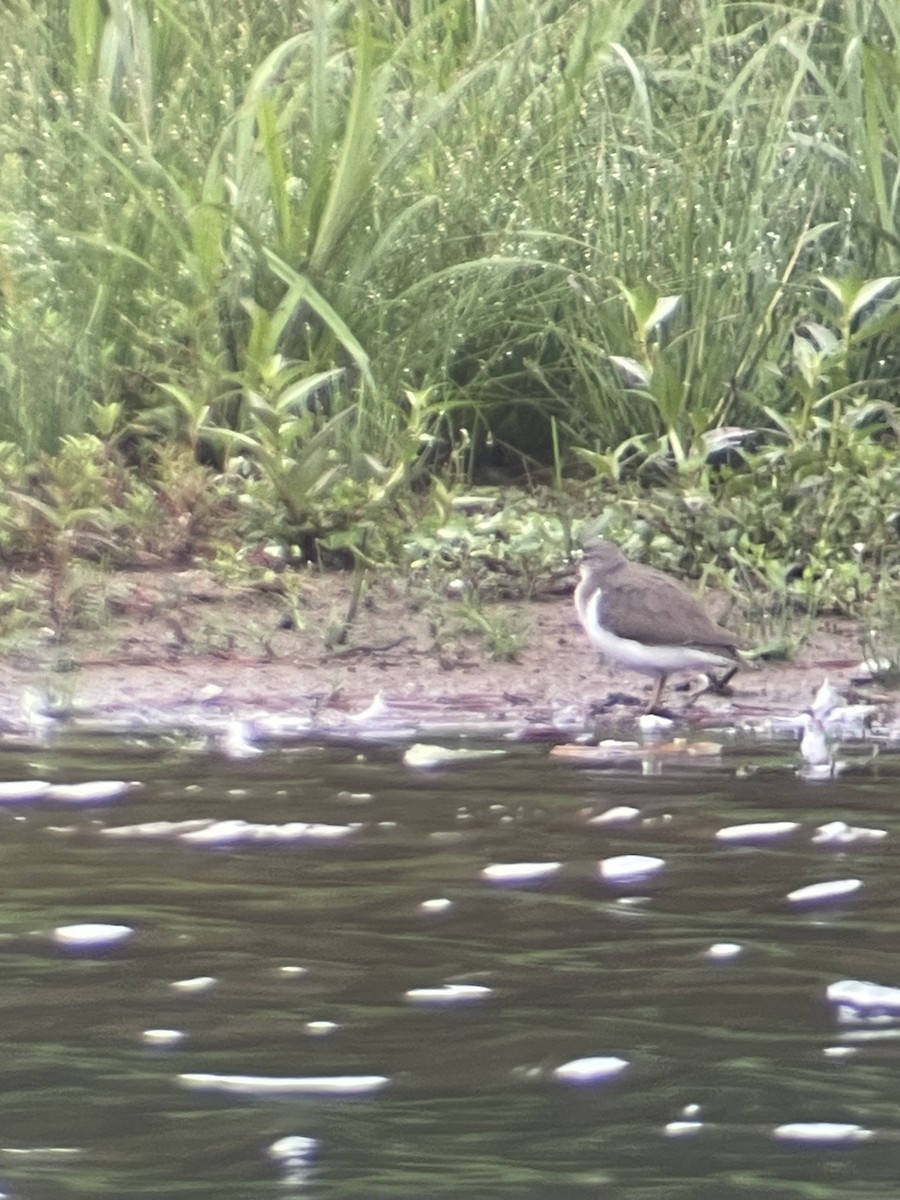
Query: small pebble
{"x": 651, "y": 723}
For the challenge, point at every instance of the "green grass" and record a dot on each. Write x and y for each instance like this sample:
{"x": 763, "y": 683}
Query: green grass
{"x": 332, "y": 250}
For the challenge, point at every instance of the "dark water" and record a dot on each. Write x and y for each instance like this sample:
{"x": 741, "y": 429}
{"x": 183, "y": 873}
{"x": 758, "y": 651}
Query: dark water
{"x": 576, "y": 966}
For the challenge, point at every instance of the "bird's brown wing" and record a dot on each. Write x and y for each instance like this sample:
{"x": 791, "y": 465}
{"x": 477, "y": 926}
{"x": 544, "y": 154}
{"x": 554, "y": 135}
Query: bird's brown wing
{"x": 647, "y": 603}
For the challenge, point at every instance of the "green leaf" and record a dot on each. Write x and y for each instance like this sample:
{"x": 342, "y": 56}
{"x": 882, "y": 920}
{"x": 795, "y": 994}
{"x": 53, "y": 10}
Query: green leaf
{"x": 274, "y": 152}
{"x": 301, "y": 292}
{"x": 632, "y": 373}
{"x": 662, "y": 309}
{"x": 871, "y": 291}
{"x": 354, "y": 171}
{"x": 640, "y": 84}
{"x": 85, "y": 21}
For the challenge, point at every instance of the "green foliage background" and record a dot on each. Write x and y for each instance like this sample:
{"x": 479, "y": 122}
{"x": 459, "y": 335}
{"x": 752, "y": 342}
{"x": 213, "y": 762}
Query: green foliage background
{"x": 333, "y": 249}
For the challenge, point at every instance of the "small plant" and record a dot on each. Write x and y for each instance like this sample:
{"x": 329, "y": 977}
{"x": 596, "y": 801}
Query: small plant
{"x": 879, "y": 630}
{"x": 21, "y": 604}
{"x": 496, "y": 543}
{"x": 503, "y": 642}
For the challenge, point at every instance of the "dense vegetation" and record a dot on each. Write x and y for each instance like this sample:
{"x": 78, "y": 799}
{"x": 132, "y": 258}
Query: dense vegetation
{"x": 269, "y": 271}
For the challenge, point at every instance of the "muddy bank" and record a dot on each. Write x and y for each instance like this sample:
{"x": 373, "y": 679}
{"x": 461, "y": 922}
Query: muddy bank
{"x": 175, "y": 645}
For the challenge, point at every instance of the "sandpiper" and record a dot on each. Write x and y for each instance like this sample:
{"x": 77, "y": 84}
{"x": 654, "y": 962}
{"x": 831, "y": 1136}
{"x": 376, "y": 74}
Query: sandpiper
{"x": 648, "y": 621}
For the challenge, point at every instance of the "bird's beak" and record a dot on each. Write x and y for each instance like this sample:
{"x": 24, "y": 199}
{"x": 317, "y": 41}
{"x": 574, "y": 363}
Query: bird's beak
{"x": 576, "y": 566}
{"x": 568, "y": 574}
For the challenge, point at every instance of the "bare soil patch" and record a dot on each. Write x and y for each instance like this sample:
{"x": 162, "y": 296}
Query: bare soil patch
{"x": 167, "y": 644}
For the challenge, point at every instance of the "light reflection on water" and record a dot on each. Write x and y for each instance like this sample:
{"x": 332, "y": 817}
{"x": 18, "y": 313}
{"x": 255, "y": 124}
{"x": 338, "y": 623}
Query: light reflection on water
{"x": 313, "y": 948}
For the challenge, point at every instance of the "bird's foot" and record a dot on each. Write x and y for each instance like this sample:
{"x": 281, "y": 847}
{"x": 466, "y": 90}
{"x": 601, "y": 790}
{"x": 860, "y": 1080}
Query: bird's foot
{"x": 659, "y": 710}
{"x": 718, "y": 687}
{"x": 614, "y": 700}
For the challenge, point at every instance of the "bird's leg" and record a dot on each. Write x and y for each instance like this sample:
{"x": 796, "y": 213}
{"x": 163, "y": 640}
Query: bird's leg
{"x": 719, "y": 685}
{"x": 660, "y": 684}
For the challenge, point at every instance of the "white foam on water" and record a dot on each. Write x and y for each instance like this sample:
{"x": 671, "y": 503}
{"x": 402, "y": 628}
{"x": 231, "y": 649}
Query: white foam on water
{"x": 91, "y": 934}
{"x": 518, "y": 872}
{"x": 860, "y": 994}
{"x": 448, "y": 993}
{"x": 756, "y": 831}
{"x": 94, "y": 791}
{"x": 595, "y": 1069}
{"x": 682, "y": 1128}
{"x": 288, "y": 1085}
{"x": 209, "y": 832}
{"x": 618, "y": 815}
{"x": 163, "y": 1037}
{"x": 156, "y": 829}
{"x": 821, "y": 1131}
{"x": 424, "y": 756}
{"x": 200, "y": 983}
{"x": 237, "y": 741}
{"x": 832, "y": 889}
{"x": 23, "y": 790}
{"x": 376, "y": 711}
{"x": 624, "y": 867}
{"x": 293, "y": 1150}
{"x": 838, "y": 833}
{"x": 724, "y": 950}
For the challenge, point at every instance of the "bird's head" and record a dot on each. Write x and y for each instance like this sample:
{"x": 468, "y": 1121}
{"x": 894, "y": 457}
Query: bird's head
{"x": 599, "y": 557}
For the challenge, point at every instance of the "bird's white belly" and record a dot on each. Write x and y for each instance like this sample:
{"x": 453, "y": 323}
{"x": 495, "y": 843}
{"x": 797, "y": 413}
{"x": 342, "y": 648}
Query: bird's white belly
{"x": 651, "y": 660}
